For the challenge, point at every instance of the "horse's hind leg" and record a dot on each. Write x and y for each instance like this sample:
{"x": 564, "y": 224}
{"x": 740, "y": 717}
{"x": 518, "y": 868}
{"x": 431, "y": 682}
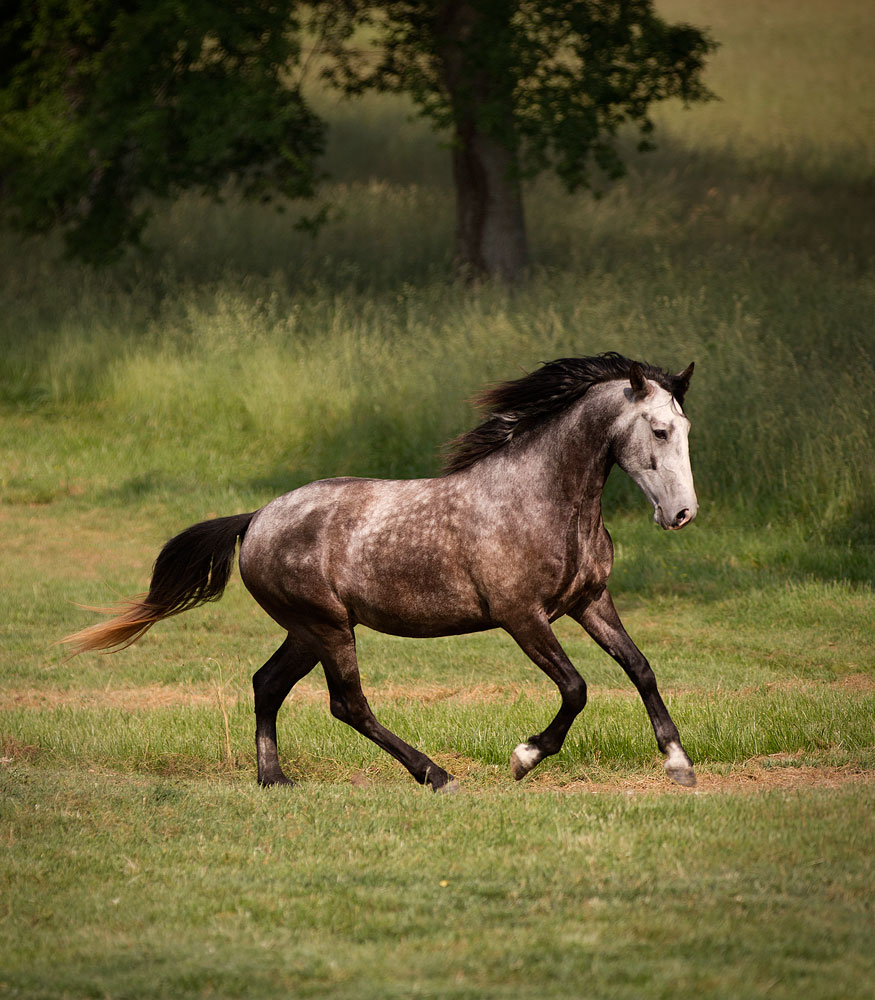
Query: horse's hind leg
{"x": 348, "y": 703}
{"x": 271, "y": 684}
{"x": 537, "y": 641}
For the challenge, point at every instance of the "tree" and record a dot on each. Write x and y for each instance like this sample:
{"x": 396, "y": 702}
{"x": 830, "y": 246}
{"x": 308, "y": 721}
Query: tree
{"x": 103, "y": 102}
{"x": 522, "y": 87}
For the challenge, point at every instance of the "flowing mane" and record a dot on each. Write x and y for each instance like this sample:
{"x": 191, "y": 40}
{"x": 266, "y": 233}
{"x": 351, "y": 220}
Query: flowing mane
{"x": 519, "y": 405}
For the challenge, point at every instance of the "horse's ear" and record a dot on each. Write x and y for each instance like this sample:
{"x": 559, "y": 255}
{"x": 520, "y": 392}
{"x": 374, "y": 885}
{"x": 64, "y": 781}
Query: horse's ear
{"x": 640, "y": 388}
{"x": 682, "y": 382}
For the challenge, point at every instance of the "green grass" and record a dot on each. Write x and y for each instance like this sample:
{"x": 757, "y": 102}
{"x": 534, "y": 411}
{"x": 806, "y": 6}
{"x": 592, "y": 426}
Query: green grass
{"x": 809, "y": 725}
{"x": 359, "y": 893}
{"x": 140, "y": 854}
{"x": 240, "y": 359}
{"x": 276, "y": 359}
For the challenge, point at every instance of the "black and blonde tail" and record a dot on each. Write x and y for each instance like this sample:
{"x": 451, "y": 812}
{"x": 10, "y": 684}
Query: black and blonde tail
{"x": 191, "y": 569}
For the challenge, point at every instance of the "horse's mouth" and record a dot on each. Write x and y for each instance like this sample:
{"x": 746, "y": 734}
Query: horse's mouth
{"x": 680, "y": 519}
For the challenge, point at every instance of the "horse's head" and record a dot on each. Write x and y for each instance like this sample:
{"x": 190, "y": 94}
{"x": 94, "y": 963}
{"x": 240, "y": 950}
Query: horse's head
{"x": 651, "y": 444}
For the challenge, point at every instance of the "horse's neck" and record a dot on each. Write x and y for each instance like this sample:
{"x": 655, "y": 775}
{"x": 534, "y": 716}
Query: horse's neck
{"x": 566, "y": 461}
{"x": 583, "y": 446}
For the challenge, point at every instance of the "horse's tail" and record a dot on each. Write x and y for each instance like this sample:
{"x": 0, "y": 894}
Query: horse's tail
{"x": 191, "y": 569}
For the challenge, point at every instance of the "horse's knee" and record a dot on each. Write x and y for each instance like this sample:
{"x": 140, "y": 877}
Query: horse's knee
{"x": 340, "y": 709}
{"x": 574, "y": 694}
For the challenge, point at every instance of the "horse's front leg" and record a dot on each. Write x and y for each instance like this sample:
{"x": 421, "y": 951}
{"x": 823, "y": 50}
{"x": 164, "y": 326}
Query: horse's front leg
{"x": 601, "y": 621}
{"x": 537, "y": 641}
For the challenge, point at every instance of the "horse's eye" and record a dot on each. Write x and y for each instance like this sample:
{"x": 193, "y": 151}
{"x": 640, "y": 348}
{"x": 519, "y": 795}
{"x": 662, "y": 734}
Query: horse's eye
{"x": 660, "y": 435}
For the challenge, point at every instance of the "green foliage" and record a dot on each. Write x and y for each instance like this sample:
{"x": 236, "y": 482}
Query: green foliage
{"x": 553, "y": 81}
{"x": 101, "y": 105}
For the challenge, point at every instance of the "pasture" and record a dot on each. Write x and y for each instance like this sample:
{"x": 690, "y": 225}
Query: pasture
{"x": 240, "y": 359}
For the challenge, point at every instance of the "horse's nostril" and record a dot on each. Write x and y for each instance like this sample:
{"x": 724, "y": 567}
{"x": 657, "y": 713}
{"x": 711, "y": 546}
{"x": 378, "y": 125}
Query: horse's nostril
{"x": 682, "y": 516}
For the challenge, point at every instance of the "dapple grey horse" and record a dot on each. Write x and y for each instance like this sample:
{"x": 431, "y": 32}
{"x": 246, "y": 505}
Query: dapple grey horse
{"x": 509, "y": 536}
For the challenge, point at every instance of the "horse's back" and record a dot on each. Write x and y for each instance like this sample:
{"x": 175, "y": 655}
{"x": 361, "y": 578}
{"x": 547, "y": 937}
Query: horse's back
{"x": 390, "y": 554}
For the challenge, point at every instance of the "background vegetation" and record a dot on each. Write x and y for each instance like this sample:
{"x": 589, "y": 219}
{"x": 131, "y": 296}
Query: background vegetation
{"x": 242, "y": 359}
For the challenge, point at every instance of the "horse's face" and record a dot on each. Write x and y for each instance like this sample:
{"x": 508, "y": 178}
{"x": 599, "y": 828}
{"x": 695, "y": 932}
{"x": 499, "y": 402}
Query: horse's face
{"x": 651, "y": 444}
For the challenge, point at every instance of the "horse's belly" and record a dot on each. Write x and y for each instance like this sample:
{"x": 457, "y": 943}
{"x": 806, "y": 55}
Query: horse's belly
{"x": 391, "y": 623}
{"x": 415, "y": 604}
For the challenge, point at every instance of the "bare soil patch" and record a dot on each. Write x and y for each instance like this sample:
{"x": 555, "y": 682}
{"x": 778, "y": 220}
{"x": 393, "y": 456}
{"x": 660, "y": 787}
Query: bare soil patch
{"x": 145, "y": 697}
{"x": 761, "y": 775}
{"x": 765, "y": 775}
{"x": 133, "y": 699}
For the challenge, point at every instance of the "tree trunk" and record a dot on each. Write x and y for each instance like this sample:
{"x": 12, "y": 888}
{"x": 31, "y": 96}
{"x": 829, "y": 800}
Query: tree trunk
{"x": 490, "y": 224}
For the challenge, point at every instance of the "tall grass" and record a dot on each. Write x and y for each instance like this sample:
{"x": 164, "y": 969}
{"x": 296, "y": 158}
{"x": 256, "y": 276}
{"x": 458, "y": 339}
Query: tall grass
{"x": 241, "y": 358}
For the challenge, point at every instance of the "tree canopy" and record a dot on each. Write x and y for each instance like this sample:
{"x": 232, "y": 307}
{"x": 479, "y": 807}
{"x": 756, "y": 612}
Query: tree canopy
{"x": 523, "y": 87}
{"x": 101, "y": 103}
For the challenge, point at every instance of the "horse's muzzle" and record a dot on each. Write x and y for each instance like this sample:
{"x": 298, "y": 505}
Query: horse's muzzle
{"x": 675, "y": 523}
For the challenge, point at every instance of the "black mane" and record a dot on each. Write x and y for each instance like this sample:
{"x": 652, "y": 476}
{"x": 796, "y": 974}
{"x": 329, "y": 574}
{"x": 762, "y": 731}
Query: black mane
{"x": 524, "y": 403}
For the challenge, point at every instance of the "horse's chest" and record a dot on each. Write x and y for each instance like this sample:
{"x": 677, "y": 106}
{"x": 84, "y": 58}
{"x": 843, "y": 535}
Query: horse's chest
{"x": 587, "y": 571}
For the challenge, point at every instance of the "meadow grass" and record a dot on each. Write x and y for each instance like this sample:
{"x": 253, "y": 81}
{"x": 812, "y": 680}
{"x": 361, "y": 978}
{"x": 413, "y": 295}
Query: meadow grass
{"x": 802, "y": 725}
{"x": 277, "y": 359}
{"x": 155, "y": 887}
{"x": 239, "y": 359}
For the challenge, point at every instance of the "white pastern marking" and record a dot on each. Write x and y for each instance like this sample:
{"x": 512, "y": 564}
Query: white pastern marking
{"x": 527, "y": 755}
{"x": 678, "y": 766}
{"x": 676, "y": 758}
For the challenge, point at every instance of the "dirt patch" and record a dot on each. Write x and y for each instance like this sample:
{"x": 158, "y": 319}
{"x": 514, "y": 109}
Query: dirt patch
{"x": 13, "y": 749}
{"x": 752, "y": 777}
{"x": 462, "y": 694}
{"x": 857, "y": 682}
{"x": 761, "y": 775}
{"x": 152, "y": 696}
{"x": 310, "y": 692}
{"x": 133, "y": 699}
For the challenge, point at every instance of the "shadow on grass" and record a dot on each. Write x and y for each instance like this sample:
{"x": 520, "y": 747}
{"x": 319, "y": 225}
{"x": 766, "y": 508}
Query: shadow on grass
{"x": 687, "y": 203}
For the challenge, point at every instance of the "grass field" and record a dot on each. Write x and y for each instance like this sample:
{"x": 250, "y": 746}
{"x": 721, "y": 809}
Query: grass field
{"x": 239, "y": 359}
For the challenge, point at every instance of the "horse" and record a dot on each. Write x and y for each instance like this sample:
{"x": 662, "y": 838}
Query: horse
{"x": 510, "y": 535}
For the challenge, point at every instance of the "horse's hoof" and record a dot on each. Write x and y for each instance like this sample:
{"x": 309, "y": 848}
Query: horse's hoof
{"x": 681, "y": 774}
{"x": 452, "y": 787}
{"x": 523, "y": 759}
{"x": 678, "y": 766}
{"x": 275, "y": 780}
